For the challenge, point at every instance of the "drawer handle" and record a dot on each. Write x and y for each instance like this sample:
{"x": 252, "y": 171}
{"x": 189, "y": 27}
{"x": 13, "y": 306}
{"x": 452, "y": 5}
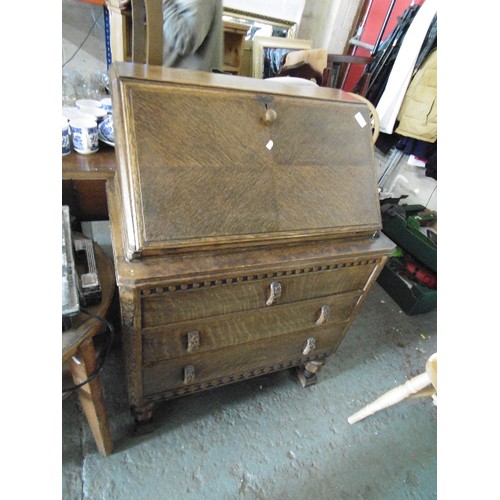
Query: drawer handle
{"x": 310, "y": 346}
{"x": 274, "y": 293}
{"x": 324, "y": 315}
{"x": 189, "y": 374}
{"x": 193, "y": 341}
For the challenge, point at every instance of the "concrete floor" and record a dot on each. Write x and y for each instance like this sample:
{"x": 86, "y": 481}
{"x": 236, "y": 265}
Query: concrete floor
{"x": 269, "y": 438}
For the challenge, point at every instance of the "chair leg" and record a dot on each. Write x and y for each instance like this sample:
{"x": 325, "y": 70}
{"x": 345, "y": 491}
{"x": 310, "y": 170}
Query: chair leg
{"x": 91, "y": 396}
{"x": 390, "y": 398}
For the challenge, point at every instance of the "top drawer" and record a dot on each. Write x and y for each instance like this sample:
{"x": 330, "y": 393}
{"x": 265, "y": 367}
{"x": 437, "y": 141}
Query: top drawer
{"x": 172, "y": 304}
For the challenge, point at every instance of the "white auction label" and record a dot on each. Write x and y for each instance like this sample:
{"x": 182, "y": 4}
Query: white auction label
{"x": 360, "y": 119}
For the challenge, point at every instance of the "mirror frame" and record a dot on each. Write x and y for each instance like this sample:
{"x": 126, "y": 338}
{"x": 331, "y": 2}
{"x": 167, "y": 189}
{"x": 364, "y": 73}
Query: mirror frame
{"x": 240, "y": 16}
{"x": 260, "y": 43}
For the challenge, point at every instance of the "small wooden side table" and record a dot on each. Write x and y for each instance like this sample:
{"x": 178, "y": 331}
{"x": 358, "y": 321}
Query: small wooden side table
{"x": 78, "y": 350}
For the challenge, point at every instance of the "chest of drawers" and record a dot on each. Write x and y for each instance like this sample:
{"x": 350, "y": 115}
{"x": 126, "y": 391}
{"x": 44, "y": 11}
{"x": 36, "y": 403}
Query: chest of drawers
{"x": 245, "y": 225}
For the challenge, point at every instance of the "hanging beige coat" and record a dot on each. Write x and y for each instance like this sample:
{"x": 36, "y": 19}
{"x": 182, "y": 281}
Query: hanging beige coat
{"x": 418, "y": 114}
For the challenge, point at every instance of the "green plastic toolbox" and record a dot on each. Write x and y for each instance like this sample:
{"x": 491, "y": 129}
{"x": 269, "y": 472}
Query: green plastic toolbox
{"x": 402, "y": 224}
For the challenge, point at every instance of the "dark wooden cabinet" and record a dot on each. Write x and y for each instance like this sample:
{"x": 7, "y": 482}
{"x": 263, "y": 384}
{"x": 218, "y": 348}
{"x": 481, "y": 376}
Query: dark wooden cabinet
{"x": 245, "y": 223}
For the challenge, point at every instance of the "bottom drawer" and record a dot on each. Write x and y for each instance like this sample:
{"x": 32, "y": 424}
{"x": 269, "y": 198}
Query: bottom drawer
{"x": 197, "y": 372}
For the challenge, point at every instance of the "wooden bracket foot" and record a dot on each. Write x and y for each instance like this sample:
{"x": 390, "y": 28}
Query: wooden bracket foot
{"x": 307, "y": 373}
{"x": 145, "y": 427}
{"x": 142, "y": 414}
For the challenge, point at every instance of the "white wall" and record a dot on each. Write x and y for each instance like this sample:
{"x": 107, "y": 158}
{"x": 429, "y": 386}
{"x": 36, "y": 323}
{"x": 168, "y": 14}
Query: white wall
{"x": 328, "y": 23}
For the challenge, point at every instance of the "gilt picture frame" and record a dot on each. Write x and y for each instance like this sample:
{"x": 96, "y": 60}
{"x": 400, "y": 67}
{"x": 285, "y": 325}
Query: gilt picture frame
{"x": 268, "y": 53}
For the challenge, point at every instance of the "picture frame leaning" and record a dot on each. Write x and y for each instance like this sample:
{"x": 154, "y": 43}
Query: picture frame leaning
{"x": 268, "y": 53}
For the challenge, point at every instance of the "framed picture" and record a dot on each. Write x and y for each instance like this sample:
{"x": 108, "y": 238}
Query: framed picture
{"x": 268, "y": 54}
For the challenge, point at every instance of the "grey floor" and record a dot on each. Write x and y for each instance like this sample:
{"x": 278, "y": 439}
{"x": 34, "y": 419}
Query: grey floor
{"x": 269, "y": 438}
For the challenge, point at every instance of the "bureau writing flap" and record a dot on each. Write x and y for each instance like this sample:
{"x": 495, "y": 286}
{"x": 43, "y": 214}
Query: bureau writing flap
{"x": 218, "y": 160}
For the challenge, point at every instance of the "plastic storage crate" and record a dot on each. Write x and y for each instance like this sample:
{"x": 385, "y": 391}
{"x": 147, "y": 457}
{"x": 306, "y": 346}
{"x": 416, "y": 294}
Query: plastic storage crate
{"x": 402, "y": 225}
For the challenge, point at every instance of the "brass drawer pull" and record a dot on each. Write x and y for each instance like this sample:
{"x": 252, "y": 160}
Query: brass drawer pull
{"x": 324, "y": 315}
{"x": 193, "y": 341}
{"x": 274, "y": 293}
{"x": 189, "y": 374}
{"x": 310, "y": 346}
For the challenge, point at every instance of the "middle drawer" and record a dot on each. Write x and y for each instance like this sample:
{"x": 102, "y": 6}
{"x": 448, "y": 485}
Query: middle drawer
{"x": 188, "y": 337}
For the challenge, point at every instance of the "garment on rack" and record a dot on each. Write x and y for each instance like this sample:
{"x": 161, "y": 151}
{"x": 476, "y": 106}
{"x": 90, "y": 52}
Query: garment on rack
{"x": 386, "y": 142}
{"x": 390, "y": 102}
{"x": 418, "y": 113}
{"x": 431, "y": 168}
{"x": 429, "y": 44}
{"x": 425, "y": 151}
{"x": 384, "y": 58}
{"x": 421, "y": 149}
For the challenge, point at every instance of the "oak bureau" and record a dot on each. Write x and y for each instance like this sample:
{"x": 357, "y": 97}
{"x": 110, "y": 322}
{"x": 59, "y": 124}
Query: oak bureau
{"x": 245, "y": 223}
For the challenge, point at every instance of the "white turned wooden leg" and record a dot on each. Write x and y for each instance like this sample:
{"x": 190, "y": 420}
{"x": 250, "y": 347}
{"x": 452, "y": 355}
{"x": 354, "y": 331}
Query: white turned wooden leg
{"x": 392, "y": 397}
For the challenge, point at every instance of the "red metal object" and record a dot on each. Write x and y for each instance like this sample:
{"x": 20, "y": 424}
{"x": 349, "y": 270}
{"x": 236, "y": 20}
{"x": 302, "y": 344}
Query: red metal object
{"x": 421, "y": 274}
